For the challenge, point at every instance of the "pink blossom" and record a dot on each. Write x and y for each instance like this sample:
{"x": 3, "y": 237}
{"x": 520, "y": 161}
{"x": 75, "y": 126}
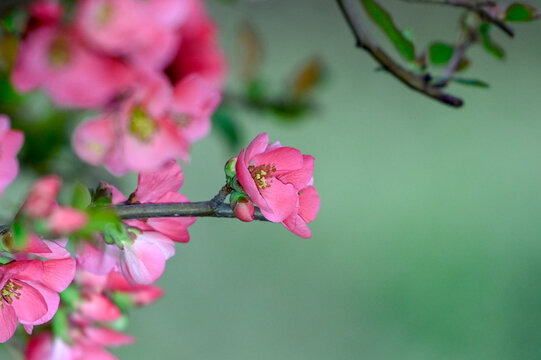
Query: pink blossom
{"x": 41, "y": 204}
{"x": 41, "y": 200}
{"x": 162, "y": 186}
{"x": 88, "y": 343}
{"x": 30, "y": 292}
{"x": 270, "y": 181}
{"x": 194, "y": 102}
{"x": 137, "y": 136}
{"x": 73, "y": 76}
{"x": 199, "y": 50}
{"x": 11, "y": 142}
{"x": 142, "y": 32}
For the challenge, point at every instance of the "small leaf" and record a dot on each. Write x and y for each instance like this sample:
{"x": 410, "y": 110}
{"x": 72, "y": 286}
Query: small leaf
{"x": 520, "y": 12}
{"x": 251, "y": 51}
{"x": 471, "y": 82}
{"x": 308, "y": 78}
{"x": 491, "y": 47}
{"x": 81, "y": 197}
{"x": 20, "y": 234}
{"x": 225, "y": 123}
{"x": 463, "y": 64}
{"x": 60, "y": 325}
{"x": 382, "y": 18}
{"x": 440, "y": 53}
{"x": 98, "y": 219}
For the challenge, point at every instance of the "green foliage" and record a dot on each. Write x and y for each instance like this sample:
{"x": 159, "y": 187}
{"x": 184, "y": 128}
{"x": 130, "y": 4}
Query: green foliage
{"x": 98, "y": 219}
{"x": 224, "y": 122}
{"x": 488, "y": 44}
{"x": 382, "y": 18}
{"x": 470, "y": 82}
{"x": 520, "y": 12}
{"x": 20, "y": 234}
{"x": 60, "y": 325}
{"x": 81, "y": 197}
{"x": 440, "y": 53}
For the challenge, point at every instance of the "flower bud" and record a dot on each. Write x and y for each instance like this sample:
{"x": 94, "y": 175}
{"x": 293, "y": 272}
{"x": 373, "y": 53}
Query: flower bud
{"x": 242, "y": 206}
{"x": 229, "y": 168}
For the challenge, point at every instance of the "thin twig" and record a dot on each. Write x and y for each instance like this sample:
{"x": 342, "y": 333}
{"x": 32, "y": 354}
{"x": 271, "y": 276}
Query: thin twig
{"x": 163, "y": 210}
{"x": 416, "y": 82}
{"x": 193, "y": 209}
{"x": 476, "y": 7}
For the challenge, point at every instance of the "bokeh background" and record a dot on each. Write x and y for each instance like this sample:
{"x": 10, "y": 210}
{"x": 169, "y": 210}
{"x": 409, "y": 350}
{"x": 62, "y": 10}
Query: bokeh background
{"x": 428, "y": 241}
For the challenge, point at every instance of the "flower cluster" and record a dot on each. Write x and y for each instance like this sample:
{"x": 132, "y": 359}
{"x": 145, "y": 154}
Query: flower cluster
{"x": 152, "y": 68}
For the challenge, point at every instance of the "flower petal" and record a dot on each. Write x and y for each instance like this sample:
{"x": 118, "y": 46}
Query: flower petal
{"x": 257, "y": 146}
{"x": 308, "y": 203}
{"x": 31, "y": 305}
{"x": 285, "y": 159}
{"x": 8, "y": 319}
{"x": 282, "y": 200}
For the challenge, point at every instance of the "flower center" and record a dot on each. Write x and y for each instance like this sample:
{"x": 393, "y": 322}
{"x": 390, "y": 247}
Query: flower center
{"x": 59, "y": 54}
{"x": 10, "y": 292}
{"x": 182, "y": 120}
{"x": 262, "y": 175}
{"x": 142, "y": 126}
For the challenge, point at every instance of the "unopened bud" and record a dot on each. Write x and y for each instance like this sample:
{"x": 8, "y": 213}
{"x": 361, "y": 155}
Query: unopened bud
{"x": 229, "y": 168}
{"x": 242, "y": 206}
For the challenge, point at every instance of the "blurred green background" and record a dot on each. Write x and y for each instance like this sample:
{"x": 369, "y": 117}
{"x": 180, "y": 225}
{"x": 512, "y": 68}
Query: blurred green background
{"x": 428, "y": 241}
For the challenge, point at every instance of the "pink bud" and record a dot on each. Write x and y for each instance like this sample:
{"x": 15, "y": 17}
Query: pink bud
{"x": 244, "y": 209}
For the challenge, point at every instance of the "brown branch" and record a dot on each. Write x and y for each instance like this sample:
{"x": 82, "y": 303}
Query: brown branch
{"x": 6, "y": 6}
{"x": 476, "y": 7}
{"x": 420, "y": 83}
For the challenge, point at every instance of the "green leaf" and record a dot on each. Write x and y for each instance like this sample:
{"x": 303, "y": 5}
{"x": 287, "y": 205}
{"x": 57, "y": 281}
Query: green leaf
{"x": 382, "y": 18}
{"x": 81, "y": 197}
{"x": 520, "y": 12}
{"x": 20, "y": 234}
{"x": 98, "y": 219}
{"x": 491, "y": 47}
{"x": 225, "y": 123}
{"x": 60, "y": 325}
{"x": 440, "y": 53}
{"x": 471, "y": 82}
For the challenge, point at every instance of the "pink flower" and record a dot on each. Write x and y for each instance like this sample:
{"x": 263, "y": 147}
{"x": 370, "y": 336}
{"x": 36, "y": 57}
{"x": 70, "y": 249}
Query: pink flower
{"x": 162, "y": 186}
{"x": 199, "y": 50}
{"x": 136, "y": 137}
{"x": 141, "y": 260}
{"x": 88, "y": 343}
{"x": 11, "y": 142}
{"x": 269, "y": 182}
{"x": 41, "y": 204}
{"x": 194, "y": 102}
{"x": 30, "y": 292}
{"x": 73, "y": 76}
{"x": 142, "y": 32}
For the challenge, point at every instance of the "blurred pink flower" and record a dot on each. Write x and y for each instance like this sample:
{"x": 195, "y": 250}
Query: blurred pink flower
{"x": 71, "y": 74}
{"x": 199, "y": 52}
{"x": 11, "y": 142}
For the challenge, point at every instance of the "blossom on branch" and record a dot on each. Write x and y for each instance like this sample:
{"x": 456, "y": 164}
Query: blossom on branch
{"x": 278, "y": 180}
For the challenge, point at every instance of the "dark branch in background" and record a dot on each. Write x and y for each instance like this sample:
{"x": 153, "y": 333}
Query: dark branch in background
{"x": 477, "y": 7}
{"x": 468, "y": 38}
{"x": 420, "y": 83}
{"x": 6, "y": 6}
